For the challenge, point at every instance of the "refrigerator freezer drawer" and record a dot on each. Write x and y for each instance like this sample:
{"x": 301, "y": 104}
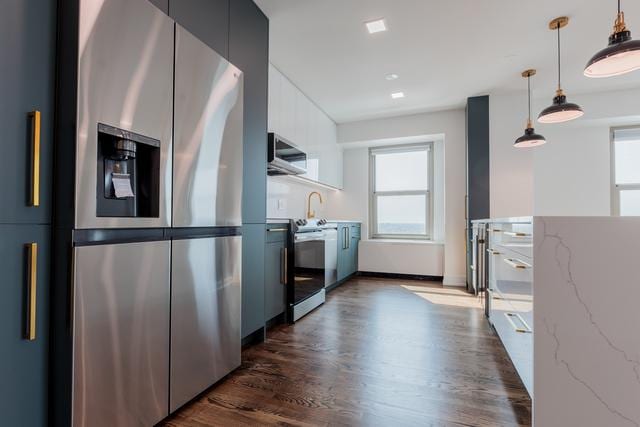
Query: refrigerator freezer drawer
{"x": 207, "y": 173}
{"x": 121, "y": 334}
{"x": 205, "y": 314}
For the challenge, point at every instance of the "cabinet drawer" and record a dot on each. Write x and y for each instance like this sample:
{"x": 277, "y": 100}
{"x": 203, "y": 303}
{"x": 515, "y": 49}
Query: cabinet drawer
{"x": 355, "y": 230}
{"x": 511, "y": 266}
{"x": 516, "y": 336}
{"x": 277, "y": 233}
{"x": 511, "y": 234}
{"x": 511, "y": 280}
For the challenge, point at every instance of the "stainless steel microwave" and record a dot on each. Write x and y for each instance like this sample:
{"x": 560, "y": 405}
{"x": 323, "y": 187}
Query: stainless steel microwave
{"x": 284, "y": 158}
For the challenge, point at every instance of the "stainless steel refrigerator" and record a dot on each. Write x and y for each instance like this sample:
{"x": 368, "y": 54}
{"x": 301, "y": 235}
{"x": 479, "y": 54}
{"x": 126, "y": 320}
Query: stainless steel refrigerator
{"x": 121, "y": 263}
{"x": 155, "y": 228}
{"x": 207, "y": 177}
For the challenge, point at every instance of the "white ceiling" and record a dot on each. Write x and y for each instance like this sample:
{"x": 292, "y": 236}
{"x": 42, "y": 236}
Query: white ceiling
{"x": 443, "y": 50}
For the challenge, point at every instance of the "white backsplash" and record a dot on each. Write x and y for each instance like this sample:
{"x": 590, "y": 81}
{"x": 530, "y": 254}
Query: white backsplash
{"x": 287, "y": 198}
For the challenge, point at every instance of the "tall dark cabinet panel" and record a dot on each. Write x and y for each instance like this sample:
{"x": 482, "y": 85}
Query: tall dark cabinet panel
{"x": 478, "y": 173}
{"x": 27, "y": 46}
{"x": 478, "y": 157}
{"x": 206, "y": 19}
{"x": 249, "y": 50}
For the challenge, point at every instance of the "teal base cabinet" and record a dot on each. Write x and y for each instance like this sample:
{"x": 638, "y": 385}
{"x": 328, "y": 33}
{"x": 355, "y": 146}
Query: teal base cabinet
{"x": 349, "y": 235}
{"x": 275, "y": 289}
{"x": 253, "y": 242}
{"x": 24, "y": 324}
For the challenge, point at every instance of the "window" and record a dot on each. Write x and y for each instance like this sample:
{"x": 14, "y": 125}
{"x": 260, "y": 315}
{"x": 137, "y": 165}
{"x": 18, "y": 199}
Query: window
{"x": 625, "y": 171}
{"x": 401, "y": 191}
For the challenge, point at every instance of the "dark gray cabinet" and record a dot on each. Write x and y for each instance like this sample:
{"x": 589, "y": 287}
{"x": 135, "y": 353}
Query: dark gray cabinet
{"x": 348, "y": 240}
{"x": 28, "y": 49}
{"x": 27, "y": 46}
{"x": 249, "y": 51}
{"x": 477, "y": 171}
{"x": 24, "y": 298}
{"x": 275, "y": 271}
{"x": 206, "y": 19}
{"x": 253, "y": 241}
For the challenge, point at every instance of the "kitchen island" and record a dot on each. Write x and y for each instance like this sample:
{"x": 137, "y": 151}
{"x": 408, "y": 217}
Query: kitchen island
{"x": 586, "y": 340}
{"x": 577, "y": 349}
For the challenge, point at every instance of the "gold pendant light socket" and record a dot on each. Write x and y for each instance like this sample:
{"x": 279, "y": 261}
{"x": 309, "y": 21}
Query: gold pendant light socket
{"x": 561, "y": 22}
{"x": 619, "y": 26}
{"x": 528, "y": 73}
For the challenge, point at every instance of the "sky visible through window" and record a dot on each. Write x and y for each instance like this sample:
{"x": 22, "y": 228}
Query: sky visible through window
{"x": 405, "y": 171}
{"x": 627, "y": 157}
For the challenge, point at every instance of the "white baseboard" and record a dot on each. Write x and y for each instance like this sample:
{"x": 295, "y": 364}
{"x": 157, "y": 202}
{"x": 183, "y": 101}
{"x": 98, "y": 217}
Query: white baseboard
{"x": 454, "y": 281}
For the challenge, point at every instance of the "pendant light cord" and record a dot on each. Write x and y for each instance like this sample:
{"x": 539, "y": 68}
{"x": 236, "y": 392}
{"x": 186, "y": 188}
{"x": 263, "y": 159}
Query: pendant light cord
{"x": 529, "y": 95}
{"x": 618, "y": 7}
{"x": 559, "y": 84}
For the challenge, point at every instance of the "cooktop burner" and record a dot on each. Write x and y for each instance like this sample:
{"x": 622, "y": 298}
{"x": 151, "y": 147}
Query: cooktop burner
{"x": 312, "y": 224}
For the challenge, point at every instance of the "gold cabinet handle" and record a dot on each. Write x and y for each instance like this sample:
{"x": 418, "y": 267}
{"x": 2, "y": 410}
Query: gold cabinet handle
{"x": 516, "y": 263}
{"x": 35, "y": 158}
{"x": 526, "y": 329}
{"x": 493, "y": 252}
{"x": 32, "y": 282}
{"x": 517, "y": 234}
{"x": 284, "y": 266}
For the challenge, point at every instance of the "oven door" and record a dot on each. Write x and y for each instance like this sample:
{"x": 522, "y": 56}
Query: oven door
{"x": 309, "y": 266}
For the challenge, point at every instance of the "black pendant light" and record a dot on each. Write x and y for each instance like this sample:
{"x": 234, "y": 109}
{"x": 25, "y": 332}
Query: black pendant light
{"x": 530, "y": 137}
{"x": 620, "y": 57}
{"x": 561, "y": 110}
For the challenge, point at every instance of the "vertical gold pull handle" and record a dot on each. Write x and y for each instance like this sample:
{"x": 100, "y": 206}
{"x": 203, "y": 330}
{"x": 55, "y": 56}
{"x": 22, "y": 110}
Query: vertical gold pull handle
{"x": 35, "y": 158}
{"x": 32, "y": 282}
{"x": 285, "y": 266}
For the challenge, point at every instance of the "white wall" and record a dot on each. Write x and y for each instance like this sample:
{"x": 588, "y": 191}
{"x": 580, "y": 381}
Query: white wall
{"x": 448, "y": 127}
{"x": 572, "y": 172}
{"x": 287, "y": 198}
{"x": 570, "y": 175}
{"x": 511, "y": 169}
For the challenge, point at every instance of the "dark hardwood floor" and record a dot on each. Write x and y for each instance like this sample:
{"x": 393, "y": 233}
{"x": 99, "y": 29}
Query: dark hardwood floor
{"x": 380, "y": 352}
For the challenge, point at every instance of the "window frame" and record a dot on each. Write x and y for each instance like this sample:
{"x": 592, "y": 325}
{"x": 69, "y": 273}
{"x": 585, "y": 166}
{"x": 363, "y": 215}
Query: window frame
{"x": 616, "y": 189}
{"x": 428, "y": 193}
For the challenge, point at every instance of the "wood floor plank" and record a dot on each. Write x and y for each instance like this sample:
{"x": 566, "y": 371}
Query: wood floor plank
{"x": 380, "y": 352}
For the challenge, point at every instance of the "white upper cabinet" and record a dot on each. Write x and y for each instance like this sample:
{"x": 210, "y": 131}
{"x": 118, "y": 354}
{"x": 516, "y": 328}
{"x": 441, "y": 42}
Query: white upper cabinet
{"x": 293, "y": 116}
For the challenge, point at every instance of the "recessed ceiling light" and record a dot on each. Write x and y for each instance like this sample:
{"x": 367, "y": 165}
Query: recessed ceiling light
{"x": 376, "y": 26}
{"x": 397, "y": 95}
{"x": 391, "y": 76}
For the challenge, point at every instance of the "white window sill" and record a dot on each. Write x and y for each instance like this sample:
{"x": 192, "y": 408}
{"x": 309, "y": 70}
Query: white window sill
{"x": 404, "y": 241}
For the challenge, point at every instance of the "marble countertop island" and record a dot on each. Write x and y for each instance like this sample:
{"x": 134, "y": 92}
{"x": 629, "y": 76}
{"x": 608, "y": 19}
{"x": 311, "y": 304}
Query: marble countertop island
{"x": 587, "y": 321}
